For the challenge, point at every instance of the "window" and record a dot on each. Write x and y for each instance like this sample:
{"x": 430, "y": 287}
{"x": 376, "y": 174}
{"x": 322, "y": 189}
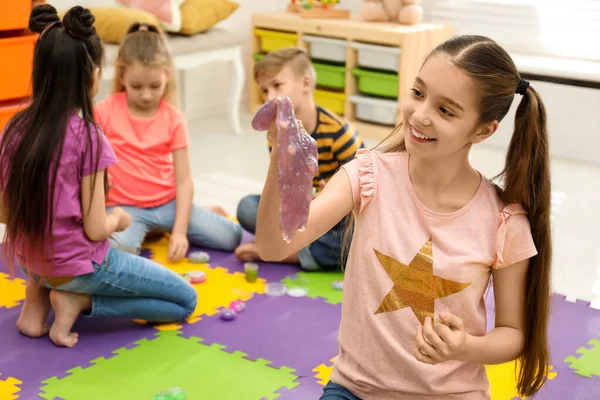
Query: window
{"x": 560, "y": 29}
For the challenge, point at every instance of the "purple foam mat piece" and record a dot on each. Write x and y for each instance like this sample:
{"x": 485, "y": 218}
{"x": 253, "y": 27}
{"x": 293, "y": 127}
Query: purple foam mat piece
{"x": 34, "y": 360}
{"x": 571, "y": 326}
{"x": 568, "y": 385}
{"x": 296, "y": 332}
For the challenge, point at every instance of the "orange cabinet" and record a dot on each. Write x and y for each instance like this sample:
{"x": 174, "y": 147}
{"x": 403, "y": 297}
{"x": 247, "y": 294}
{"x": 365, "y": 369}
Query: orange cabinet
{"x": 15, "y": 15}
{"x": 16, "y": 59}
{"x": 10, "y": 108}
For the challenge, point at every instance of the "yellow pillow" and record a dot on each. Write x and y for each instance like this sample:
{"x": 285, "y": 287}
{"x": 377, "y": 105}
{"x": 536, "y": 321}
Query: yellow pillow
{"x": 201, "y": 15}
{"x": 112, "y": 22}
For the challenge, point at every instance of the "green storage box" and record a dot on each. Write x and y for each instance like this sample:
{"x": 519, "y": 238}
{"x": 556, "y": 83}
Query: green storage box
{"x": 331, "y": 76}
{"x": 377, "y": 83}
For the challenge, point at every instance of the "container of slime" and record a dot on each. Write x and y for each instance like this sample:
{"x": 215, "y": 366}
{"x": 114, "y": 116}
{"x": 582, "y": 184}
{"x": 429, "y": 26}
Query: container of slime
{"x": 227, "y": 314}
{"x": 251, "y": 271}
{"x": 237, "y": 306}
{"x": 196, "y": 277}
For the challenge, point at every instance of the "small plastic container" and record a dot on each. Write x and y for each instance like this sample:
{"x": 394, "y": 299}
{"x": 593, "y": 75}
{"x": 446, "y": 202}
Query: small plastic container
{"x": 332, "y": 101}
{"x": 330, "y": 75}
{"x": 377, "y": 83}
{"x": 251, "y": 271}
{"x": 322, "y": 48}
{"x": 275, "y": 40}
{"x": 379, "y": 111}
{"x": 377, "y": 56}
{"x": 275, "y": 289}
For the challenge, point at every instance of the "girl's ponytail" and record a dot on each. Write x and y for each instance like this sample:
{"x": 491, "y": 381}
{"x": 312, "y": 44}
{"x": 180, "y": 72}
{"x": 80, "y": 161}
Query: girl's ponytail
{"x": 526, "y": 178}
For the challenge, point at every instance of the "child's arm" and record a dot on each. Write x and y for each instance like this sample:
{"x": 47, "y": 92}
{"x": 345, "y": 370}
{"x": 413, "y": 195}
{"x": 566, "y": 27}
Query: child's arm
{"x": 506, "y": 341}
{"x": 333, "y": 204}
{"x": 183, "y": 204}
{"x": 97, "y": 225}
{"x": 3, "y": 216}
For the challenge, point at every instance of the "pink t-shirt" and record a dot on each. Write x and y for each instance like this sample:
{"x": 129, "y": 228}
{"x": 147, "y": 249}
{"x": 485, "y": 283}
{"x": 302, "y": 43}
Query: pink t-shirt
{"x": 73, "y": 252}
{"x": 145, "y": 174}
{"x": 407, "y": 262}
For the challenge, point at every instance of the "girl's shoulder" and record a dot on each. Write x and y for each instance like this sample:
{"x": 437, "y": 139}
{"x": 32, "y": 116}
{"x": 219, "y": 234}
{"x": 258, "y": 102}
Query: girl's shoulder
{"x": 170, "y": 111}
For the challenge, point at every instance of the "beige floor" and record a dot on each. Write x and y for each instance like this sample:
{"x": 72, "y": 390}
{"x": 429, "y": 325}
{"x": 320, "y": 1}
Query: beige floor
{"x": 226, "y": 167}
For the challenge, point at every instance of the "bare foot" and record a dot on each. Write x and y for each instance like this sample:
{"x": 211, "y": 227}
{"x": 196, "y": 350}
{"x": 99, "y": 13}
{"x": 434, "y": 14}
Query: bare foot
{"x": 67, "y": 307}
{"x": 247, "y": 252}
{"x": 32, "y": 321}
{"x": 217, "y": 210}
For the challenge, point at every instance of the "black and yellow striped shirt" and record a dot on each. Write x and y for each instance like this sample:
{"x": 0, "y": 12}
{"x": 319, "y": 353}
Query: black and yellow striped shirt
{"x": 337, "y": 143}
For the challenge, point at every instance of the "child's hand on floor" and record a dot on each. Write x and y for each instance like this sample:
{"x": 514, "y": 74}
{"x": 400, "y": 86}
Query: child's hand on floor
{"x": 178, "y": 246}
{"x": 444, "y": 342}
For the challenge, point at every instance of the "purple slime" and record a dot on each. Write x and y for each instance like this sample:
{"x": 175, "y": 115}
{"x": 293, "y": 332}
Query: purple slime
{"x": 297, "y": 163}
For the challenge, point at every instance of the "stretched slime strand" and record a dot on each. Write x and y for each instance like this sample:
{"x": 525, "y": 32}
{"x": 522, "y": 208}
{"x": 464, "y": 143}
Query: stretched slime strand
{"x": 297, "y": 164}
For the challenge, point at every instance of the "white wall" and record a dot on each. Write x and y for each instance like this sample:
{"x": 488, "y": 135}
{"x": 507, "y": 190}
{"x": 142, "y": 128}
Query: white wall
{"x": 212, "y": 80}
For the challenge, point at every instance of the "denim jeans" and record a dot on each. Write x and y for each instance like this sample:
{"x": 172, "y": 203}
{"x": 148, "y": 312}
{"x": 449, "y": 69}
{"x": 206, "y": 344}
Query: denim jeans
{"x": 333, "y": 391}
{"x": 206, "y": 229}
{"x": 322, "y": 254}
{"x": 130, "y": 286}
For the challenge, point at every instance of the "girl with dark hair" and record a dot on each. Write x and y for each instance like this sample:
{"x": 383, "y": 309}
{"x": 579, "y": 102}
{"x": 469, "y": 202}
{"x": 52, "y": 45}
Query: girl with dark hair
{"x": 53, "y": 159}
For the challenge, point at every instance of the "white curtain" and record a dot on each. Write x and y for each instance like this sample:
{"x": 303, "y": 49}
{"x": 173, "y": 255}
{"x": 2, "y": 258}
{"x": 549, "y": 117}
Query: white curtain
{"x": 568, "y": 29}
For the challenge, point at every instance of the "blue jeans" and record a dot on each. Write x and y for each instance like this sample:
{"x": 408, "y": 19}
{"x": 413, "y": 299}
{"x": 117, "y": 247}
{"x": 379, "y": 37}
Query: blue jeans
{"x": 333, "y": 391}
{"x": 322, "y": 254}
{"x": 130, "y": 286}
{"x": 206, "y": 229}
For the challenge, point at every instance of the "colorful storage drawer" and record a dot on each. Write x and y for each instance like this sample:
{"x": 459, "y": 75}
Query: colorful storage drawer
{"x": 16, "y": 74}
{"x": 377, "y": 83}
{"x": 380, "y": 111}
{"x": 328, "y": 49}
{"x": 378, "y": 57}
{"x": 8, "y": 109}
{"x": 331, "y": 76}
{"x": 332, "y": 101}
{"x": 15, "y": 15}
{"x": 275, "y": 40}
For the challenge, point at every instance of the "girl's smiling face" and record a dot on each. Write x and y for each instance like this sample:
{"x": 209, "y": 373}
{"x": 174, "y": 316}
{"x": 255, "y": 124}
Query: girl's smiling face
{"x": 440, "y": 116}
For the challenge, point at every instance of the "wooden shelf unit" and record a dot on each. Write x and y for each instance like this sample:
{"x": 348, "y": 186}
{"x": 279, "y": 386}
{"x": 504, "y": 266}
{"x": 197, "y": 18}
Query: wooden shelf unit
{"x": 415, "y": 42}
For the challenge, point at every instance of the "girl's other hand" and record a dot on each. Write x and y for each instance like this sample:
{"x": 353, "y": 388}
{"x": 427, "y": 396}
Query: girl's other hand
{"x": 178, "y": 246}
{"x": 444, "y": 342}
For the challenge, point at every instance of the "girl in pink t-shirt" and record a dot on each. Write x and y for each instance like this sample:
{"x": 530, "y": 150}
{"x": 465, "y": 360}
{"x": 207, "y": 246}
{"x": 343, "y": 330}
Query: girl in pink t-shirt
{"x": 150, "y": 137}
{"x": 53, "y": 159}
{"x": 429, "y": 233}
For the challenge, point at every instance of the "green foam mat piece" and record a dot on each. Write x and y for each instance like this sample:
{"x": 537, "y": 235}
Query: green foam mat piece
{"x": 203, "y": 372}
{"x": 319, "y": 284}
{"x": 588, "y": 363}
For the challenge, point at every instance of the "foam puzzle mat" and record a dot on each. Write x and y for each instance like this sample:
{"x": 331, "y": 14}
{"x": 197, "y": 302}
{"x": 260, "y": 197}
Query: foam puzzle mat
{"x": 277, "y": 348}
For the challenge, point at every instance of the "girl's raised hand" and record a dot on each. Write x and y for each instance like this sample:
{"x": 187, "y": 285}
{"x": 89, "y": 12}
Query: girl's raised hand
{"x": 444, "y": 342}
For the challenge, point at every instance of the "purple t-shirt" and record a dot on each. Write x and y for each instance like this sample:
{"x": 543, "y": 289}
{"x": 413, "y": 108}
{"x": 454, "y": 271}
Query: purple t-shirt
{"x": 73, "y": 251}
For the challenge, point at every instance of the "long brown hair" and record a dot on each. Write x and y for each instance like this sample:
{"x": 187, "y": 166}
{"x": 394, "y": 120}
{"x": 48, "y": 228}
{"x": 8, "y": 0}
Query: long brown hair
{"x": 525, "y": 179}
{"x": 146, "y": 45}
{"x": 66, "y": 55}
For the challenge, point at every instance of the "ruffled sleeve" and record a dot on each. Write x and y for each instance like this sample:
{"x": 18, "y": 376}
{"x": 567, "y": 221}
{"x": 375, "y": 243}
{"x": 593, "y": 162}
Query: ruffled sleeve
{"x": 514, "y": 242}
{"x": 362, "y": 178}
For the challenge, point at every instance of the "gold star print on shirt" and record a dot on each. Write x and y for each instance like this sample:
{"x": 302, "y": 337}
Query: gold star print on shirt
{"x": 415, "y": 286}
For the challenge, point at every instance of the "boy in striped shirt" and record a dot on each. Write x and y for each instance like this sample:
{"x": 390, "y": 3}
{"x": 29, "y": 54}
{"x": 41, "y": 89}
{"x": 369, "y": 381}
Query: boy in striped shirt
{"x": 289, "y": 72}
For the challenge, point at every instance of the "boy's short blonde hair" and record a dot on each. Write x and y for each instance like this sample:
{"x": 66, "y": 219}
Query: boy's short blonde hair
{"x": 295, "y": 57}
